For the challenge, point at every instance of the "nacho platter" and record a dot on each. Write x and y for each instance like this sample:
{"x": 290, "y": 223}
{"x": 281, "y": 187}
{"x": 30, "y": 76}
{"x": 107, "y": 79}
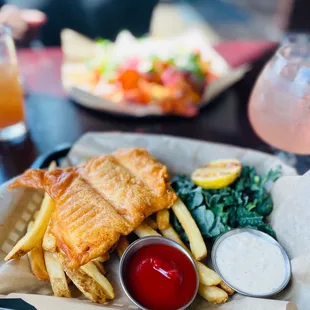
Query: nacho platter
{"x": 80, "y": 51}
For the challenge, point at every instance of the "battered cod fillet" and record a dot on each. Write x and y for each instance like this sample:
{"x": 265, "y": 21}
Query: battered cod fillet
{"x": 96, "y": 203}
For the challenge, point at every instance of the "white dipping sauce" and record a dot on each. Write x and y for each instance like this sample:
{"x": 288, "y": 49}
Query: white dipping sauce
{"x": 251, "y": 264}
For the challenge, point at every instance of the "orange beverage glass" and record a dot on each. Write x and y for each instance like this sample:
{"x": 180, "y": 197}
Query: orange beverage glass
{"x": 12, "y": 114}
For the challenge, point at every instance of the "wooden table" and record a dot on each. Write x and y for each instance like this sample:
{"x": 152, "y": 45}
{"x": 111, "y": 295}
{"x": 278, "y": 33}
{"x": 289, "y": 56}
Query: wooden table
{"x": 54, "y": 119}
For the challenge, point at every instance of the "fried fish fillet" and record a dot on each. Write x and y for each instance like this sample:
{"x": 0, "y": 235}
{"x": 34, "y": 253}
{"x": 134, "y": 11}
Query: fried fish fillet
{"x": 105, "y": 198}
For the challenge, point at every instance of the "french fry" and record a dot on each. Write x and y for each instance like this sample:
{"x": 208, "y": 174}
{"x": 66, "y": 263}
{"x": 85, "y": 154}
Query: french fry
{"x": 206, "y": 275}
{"x": 86, "y": 284}
{"x": 111, "y": 250}
{"x": 49, "y": 241}
{"x": 103, "y": 258}
{"x": 151, "y": 223}
{"x": 100, "y": 267}
{"x": 144, "y": 231}
{"x": 35, "y": 215}
{"x": 36, "y": 259}
{"x": 91, "y": 270}
{"x": 56, "y": 275}
{"x": 170, "y": 233}
{"x": 196, "y": 242}
{"x": 162, "y": 219}
{"x": 33, "y": 237}
{"x": 122, "y": 245}
{"x": 213, "y": 294}
{"x": 226, "y": 288}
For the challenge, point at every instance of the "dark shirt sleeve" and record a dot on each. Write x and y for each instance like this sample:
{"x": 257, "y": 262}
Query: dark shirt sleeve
{"x": 116, "y": 15}
{"x": 136, "y": 17}
{"x": 138, "y": 21}
{"x": 98, "y": 18}
{"x": 93, "y": 18}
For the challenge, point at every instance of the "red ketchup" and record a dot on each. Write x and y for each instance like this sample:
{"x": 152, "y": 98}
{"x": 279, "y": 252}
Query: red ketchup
{"x": 160, "y": 277}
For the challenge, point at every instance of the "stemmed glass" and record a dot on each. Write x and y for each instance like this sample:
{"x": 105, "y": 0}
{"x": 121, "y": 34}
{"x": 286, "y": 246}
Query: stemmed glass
{"x": 279, "y": 108}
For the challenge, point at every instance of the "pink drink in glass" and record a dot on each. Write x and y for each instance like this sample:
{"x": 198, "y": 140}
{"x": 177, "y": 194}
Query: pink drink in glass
{"x": 279, "y": 108}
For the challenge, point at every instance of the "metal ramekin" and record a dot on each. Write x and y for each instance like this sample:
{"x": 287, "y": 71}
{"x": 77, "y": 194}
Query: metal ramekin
{"x": 261, "y": 235}
{"x": 142, "y": 242}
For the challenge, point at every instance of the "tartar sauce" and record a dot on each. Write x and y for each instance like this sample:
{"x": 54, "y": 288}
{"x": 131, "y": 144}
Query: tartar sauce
{"x": 251, "y": 264}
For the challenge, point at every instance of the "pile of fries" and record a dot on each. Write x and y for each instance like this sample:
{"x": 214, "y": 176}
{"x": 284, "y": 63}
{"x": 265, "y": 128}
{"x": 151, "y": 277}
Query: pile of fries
{"x": 47, "y": 263}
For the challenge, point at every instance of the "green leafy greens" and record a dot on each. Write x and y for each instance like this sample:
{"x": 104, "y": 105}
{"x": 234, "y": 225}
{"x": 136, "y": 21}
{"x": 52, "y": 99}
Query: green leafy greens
{"x": 191, "y": 63}
{"x": 246, "y": 203}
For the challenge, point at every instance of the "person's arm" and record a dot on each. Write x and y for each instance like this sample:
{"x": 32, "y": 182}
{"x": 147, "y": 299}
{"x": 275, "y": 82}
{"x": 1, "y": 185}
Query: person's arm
{"x": 24, "y": 23}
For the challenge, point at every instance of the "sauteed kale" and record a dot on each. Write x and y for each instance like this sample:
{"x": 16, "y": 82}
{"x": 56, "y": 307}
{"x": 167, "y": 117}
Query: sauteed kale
{"x": 246, "y": 203}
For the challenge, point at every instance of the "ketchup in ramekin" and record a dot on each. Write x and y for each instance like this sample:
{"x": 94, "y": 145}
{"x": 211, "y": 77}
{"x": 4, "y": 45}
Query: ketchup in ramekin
{"x": 156, "y": 273}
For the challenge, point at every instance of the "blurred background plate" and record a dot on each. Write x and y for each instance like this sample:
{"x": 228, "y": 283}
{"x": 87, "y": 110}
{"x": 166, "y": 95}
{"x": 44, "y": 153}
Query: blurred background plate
{"x": 78, "y": 49}
{"x": 88, "y": 100}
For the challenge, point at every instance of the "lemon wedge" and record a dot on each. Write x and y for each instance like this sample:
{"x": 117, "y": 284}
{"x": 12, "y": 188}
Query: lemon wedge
{"x": 217, "y": 174}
